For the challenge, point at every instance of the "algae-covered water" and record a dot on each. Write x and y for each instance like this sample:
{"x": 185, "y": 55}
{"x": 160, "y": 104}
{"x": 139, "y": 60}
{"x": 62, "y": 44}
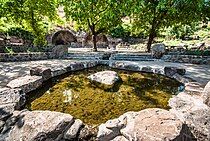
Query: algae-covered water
{"x": 76, "y": 95}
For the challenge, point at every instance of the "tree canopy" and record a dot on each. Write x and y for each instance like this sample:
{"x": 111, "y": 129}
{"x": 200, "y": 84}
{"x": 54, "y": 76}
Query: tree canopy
{"x": 101, "y": 16}
{"x": 30, "y": 14}
{"x": 96, "y": 15}
{"x": 152, "y": 15}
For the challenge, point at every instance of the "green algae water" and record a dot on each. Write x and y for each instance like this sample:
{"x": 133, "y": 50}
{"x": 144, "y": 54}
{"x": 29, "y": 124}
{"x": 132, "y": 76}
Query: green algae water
{"x": 76, "y": 95}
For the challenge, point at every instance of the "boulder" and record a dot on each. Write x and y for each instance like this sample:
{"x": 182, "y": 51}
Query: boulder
{"x": 60, "y": 51}
{"x": 206, "y": 94}
{"x": 39, "y": 125}
{"x": 10, "y": 99}
{"x": 147, "y": 125}
{"x": 41, "y": 71}
{"x": 104, "y": 79}
{"x": 194, "y": 113}
{"x": 26, "y": 83}
{"x": 158, "y": 50}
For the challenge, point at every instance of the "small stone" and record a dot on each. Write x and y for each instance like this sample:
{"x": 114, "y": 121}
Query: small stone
{"x": 87, "y": 133}
{"x": 147, "y": 69}
{"x": 6, "y": 110}
{"x": 1, "y": 125}
{"x": 170, "y": 71}
{"x": 76, "y": 66}
{"x": 72, "y": 132}
{"x": 120, "y": 138}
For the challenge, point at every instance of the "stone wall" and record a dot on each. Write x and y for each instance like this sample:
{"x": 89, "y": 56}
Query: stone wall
{"x": 25, "y": 49}
{"x": 187, "y": 59}
{"x": 8, "y": 57}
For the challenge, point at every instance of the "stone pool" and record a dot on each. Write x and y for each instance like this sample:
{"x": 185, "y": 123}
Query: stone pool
{"x": 75, "y": 94}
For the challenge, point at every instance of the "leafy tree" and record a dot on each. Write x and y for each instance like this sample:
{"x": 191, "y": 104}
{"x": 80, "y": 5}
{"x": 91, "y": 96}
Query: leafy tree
{"x": 205, "y": 13}
{"x": 97, "y": 15}
{"x": 31, "y": 14}
{"x": 152, "y": 15}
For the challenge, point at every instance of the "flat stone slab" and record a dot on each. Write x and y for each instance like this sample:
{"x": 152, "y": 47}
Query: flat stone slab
{"x": 26, "y": 83}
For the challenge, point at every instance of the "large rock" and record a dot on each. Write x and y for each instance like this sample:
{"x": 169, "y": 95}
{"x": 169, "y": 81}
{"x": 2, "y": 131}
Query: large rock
{"x": 39, "y": 125}
{"x": 105, "y": 79}
{"x": 158, "y": 50}
{"x": 192, "y": 111}
{"x": 10, "y": 99}
{"x": 26, "y": 83}
{"x": 146, "y": 125}
{"x": 41, "y": 71}
{"x": 206, "y": 94}
{"x": 60, "y": 51}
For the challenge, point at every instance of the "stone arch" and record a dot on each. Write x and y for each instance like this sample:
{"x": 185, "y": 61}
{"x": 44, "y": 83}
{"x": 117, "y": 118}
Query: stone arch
{"x": 100, "y": 38}
{"x": 63, "y": 37}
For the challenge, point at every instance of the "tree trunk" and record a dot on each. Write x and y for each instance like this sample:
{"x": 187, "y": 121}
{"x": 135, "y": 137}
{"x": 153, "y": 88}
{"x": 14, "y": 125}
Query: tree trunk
{"x": 94, "y": 42}
{"x": 94, "y": 34}
{"x": 151, "y": 38}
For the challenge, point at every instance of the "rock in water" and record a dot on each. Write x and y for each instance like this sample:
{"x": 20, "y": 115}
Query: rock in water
{"x": 105, "y": 79}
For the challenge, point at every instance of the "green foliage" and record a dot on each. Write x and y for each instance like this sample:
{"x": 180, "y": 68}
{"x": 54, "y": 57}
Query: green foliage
{"x": 119, "y": 31}
{"x": 155, "y": 15}
{"x": 104, "y": 14}
{"x": 30, "y": 15}
{"x": 180, "y": 31}
{"x": 99, "y": 16}
{"x": 19, "y": 32}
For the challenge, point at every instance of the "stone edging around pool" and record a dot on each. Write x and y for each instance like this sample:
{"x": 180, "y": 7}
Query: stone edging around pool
{"x": 189, "y": 114}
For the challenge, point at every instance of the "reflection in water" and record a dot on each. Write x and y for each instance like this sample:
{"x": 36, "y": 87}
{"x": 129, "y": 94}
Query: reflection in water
{"x": 68, "y": 96}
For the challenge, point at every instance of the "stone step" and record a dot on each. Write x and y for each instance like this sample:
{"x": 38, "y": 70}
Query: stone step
{"x": 133, "y": 59}
{"x": 82, "y": 58}
{"x": 148, "y": 57}
{"x": 131, "y": 54}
